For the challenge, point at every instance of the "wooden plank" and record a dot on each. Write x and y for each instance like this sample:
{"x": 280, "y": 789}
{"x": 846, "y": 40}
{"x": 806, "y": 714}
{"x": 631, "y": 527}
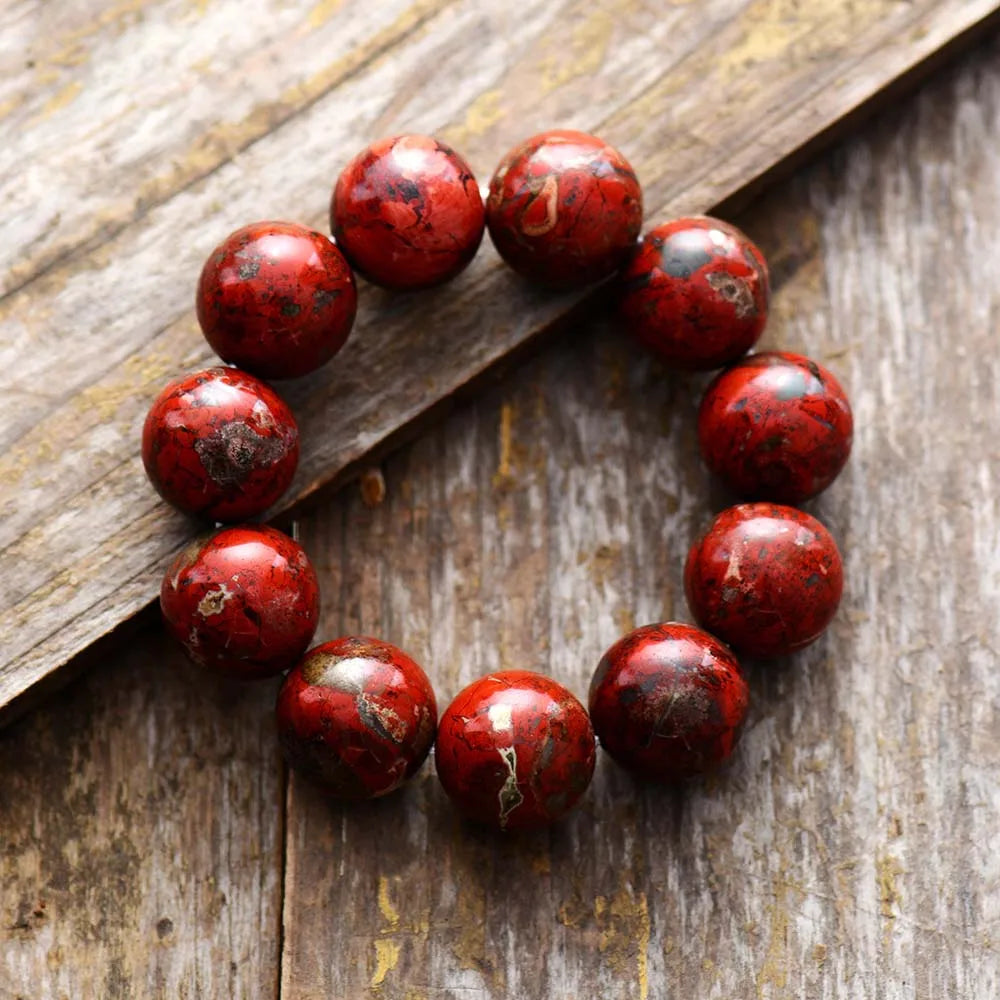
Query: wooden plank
{"x": 735, "y": 86}
{"x": 849, "y": 853}
{"x": 247, "y": 74}
{"x": 849, "y": 850}
{"x": 141, "y": 837}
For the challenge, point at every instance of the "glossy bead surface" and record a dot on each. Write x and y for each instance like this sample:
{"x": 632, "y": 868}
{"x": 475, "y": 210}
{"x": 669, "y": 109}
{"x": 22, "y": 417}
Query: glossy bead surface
{"x": 356, "y": 716}
{"x": 696, "y": 293}
{"x": 775, "y": 426}
{"x": 220, "y": 443}
{"x": 764, "y": 578}
{"x": 407, "y": 212}
{"x": 276, "y": 299}
{"x": 242, "y": 601}
{"x": 564, "y": 209}
{"x": 515, "y": 750}
{"x": 668, "y": 702}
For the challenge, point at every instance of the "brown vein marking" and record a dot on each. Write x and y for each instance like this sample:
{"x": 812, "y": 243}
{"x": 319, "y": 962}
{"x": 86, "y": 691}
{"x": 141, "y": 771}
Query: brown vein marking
{"x": 214, "y": 601}
{"x": 549, "y": 194}
{"x": 734, "y": 290}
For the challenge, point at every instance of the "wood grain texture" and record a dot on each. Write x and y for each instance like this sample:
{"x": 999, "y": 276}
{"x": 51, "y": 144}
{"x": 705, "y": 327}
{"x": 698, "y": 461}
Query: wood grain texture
{"x": 141, "y": 838}
{"x": 850, "y": 850}
{"x": 702, "y": 98}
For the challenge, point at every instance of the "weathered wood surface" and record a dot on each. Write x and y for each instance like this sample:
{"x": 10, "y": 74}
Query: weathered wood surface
{"x": 140, "y": 132}
{"x": 850, "y": 850}
{"x": 141, "y": 839}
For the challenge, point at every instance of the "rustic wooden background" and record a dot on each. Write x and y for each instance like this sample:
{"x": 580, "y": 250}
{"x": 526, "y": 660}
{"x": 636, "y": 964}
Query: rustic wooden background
{"x": 152, "y": 846}
{"x": 138, "y": 132}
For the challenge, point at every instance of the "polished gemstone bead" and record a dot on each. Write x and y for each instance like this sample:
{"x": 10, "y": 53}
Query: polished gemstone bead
{"x": 695, "y": 292}
{"x": 564, "y": 209}
{"x": 221, "y": 444}
{"x": 764, "y": 578}
{"x": 775, "y": 426}
{"x": 357, "y": 717}
{"x": 242, "y": 601}
{"x": 276, "y": 299}
{"x": 668, "y": 702}
{"x": 407, "y": 212}
{"x": 515, "y": 750}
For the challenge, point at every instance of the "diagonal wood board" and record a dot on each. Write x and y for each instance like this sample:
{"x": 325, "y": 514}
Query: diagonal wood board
{"x": 121, "y": 179}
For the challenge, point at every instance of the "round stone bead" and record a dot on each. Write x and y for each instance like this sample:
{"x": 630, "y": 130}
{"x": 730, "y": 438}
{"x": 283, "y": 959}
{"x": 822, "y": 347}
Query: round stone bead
{"x": 357, "y": 717}
{"x": 220, "y": 443}
{"x": 696, "y": 293}
{"x": 276, "y": 299}
{"x": 668, "y": 702}
{"x": 564, "y": 209}
{"x": 764, "y": 578}
{"x": 407, "y": 212}
{"x": 775, "y": 426}
{"x": 242, "y": 601}
{"x": 515, "y": 750}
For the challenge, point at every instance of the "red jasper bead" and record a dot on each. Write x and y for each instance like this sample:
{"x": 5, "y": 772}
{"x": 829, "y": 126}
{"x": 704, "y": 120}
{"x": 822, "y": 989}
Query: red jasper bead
{"x": 407, "y": 212}
{"x": 696, "y": 293}
{"x": 220, "y": 443}
{"x": 276, "y": 299}
{"x": 564, "y": 209}
{"x": 775, "y": 426}
{"x": 764, "y": 578}
{"x": 242, "y": 601}
{"x": 668, "y": 702}
{"x": 515, "y": 750}
{"x": 357, "y": 716}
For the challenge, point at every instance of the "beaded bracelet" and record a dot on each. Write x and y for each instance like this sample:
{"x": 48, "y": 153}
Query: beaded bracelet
{"x": 514, "y": 749}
